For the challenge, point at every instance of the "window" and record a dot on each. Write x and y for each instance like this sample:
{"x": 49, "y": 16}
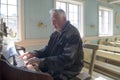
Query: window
{"x": 74, "y": 12}
{"x": 105, "y": 22}
{"x": 10, "y": 13}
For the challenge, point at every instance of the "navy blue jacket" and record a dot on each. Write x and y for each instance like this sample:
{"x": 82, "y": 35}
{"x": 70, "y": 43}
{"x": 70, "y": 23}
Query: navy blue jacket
{"x": 64, "y": 52}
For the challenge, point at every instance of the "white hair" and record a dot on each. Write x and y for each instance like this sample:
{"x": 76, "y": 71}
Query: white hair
{"x": 59, "y": 11}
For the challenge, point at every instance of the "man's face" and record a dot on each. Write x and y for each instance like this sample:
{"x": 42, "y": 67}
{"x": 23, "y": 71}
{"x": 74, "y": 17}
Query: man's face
{"x": 57, "y": 21}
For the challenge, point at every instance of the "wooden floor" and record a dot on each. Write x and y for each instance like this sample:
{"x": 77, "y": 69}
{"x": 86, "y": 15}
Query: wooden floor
{"x": 96, "y": 75}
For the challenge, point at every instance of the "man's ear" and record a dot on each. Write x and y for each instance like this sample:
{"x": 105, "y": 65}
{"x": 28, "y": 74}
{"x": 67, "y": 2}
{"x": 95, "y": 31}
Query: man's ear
{"x": 64, "y": 18}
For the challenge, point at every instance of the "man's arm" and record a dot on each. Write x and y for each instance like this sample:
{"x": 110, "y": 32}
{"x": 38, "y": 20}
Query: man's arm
{"x": 43, "y": 52}
{"x": 40, "y": 53}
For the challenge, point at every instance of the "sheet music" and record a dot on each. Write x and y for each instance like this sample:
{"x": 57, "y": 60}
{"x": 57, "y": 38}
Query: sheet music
{"x": 21, "y": 52}
{"x": 9, "y": 51}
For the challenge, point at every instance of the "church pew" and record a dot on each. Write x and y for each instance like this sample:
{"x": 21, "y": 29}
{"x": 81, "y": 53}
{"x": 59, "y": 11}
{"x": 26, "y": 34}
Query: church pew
{"x": 102, "y": 67}
{"x": 109, "y": 48}
{"x": 93, "y": 56}
{"x": 107, "y": 69}
{"x": 110, "y": 54}
{"x": 88, "y": 75}
{"x": 109, "y": 41}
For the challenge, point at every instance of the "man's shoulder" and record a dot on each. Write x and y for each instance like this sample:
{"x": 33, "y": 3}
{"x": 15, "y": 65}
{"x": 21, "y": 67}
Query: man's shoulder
{"x": 54, "y": 34}
{"x": 73, "y": 30}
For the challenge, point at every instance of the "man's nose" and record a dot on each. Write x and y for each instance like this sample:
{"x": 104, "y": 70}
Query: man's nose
{"x": 53, "y": 22}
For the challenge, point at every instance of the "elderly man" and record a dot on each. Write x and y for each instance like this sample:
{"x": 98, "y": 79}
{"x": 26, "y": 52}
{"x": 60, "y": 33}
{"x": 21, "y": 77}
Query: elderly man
{"x": 63, "y": 56}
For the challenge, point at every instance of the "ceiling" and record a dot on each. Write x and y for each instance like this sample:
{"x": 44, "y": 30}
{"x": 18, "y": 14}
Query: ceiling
{"x": 116, "y": 2}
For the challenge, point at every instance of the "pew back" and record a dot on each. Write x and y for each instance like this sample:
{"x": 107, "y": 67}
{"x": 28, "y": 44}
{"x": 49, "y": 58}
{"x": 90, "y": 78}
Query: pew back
{"x": 102, "y": 67}
{"x": 109, "y": 52}
{"x": 90, "y": 51}
{"x": 111, "y": 64}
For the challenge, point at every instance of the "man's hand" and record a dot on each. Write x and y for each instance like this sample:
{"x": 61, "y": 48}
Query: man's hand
{"x": 34, "y": 62}
{"x": 30, "y": 67}
{"x": 27, "y": 55}
{"x": 31, "y": 61}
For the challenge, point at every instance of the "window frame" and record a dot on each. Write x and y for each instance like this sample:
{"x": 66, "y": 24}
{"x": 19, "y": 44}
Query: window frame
{"x": 110, "y": 21}
{"x": 19, "y": 19}
{"x": 80, "y": 13}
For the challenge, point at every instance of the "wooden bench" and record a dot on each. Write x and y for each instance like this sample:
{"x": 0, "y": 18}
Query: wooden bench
{"x": 93, "y": 48}
{"x": 109, "y": 41}
{"x": 115, "y": 43}
{"x": 107, "y": 69}
{"x": 102, "y": 67}
{"x": 111, "y": 55}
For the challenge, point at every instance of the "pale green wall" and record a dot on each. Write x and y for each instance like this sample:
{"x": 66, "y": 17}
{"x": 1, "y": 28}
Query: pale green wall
{"x": 37, "y": 11}
{"x": 91, "y": 17}
{"x": 116, "y": 30}
{"x": 90, "y": 7}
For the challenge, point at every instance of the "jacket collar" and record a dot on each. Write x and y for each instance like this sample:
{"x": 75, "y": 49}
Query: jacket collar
{"x": 65, "y": 27}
